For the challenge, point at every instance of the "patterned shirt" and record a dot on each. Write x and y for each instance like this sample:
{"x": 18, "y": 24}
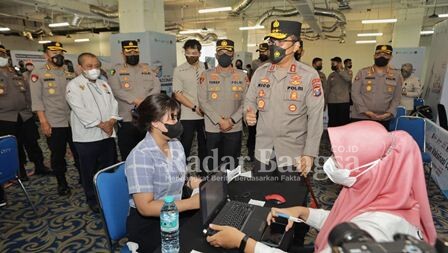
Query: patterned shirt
{"x": 149, "y": 170}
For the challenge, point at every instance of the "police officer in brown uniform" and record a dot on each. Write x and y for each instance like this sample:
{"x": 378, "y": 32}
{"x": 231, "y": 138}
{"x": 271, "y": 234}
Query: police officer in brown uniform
{"x": 337, "y": 94}
{"x": 47, "y": 85}
{"x": 263, "y": 57}
{"x": 131, "y": 83}
{"x": 376, "y": 90}
{"x": 289, "y": 98}
{"x": 220, "y": 94}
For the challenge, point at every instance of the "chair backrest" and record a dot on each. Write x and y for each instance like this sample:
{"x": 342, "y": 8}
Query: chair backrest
{"x": 9, "y": 158}
{"x": 442, "y": 116}
{"x": 401, "y": 111}
{"x": 418, "y": 102}
{"x": 416, "y": 127}
{"x": 113, "y": 197}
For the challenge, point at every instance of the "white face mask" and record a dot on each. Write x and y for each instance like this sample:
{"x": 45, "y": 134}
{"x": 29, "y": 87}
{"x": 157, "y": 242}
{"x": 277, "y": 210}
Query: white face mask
{"x": 3, "y": 61}
{"x": 342, "y": 176}
{"x": 92, "y": 74}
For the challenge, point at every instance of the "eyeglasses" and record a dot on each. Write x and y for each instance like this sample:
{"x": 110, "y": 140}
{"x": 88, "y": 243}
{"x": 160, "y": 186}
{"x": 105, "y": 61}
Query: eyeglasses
{"x": 272, "y": 41}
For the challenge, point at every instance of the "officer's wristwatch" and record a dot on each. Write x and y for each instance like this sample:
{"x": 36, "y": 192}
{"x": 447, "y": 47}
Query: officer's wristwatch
{"x": 194, "y": 108}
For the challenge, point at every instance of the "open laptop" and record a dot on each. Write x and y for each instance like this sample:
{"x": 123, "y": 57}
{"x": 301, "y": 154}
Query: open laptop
{"x": 217, "y": 209}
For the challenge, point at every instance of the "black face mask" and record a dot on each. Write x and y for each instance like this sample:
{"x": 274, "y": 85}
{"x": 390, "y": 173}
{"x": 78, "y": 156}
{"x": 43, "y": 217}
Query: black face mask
{"x": 58, "y": 60}
{"x": 238, "y": 66}
{"x": 381, "y": 61}
{"x": 334, "y": 68}
{"x": 174, "y": 131}
{"x": 318, "y": 68}
{"x": 297, "y": 55}
{"x": 263, "y": 57}
{"x": 277, "y": 53}
{"x": 132, "y": 59}
{"x": 224, "y": 60}
{"x": 192, "y": 59}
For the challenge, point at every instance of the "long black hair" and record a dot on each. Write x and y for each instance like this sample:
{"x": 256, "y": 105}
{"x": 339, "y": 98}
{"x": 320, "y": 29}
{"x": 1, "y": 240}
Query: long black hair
{"x": 153, "y": 108}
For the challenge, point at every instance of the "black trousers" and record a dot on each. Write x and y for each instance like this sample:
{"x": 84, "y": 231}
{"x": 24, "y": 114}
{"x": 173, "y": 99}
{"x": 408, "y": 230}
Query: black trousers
{"x": 191, "y": 127}
{"x": 27, "y": 135}
{"x": 223, "y": 145}
{"x": 94, "y": 156}
{"x": 384, "y": 123}
{"x": 128, "y": 137}
{"x": 57, "y": 143}
{"x": 250, "y": 144}
{"x": 338, "y": 114}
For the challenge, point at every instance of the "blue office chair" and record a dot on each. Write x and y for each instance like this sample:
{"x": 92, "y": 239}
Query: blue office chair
{"x": 9, "y": 164}
{"x": 401, "y": 111}
{"x": 416, "y": 127}
{"x": 113, "y": 196}
{"x": 418, "y": 102}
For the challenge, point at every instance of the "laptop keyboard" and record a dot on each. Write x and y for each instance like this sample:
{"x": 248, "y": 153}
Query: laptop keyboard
{"x": 233, "y": 214}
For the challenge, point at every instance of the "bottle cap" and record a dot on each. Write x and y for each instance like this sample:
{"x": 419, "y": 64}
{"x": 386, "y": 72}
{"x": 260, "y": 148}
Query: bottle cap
{"x": 169, "y": 199}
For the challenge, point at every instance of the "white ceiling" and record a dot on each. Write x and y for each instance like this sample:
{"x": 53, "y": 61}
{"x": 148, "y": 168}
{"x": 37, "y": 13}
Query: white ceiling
{"x": 29, "y": 14}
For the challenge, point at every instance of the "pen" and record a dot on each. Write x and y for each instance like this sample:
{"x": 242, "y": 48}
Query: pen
{"x": 291, "y": 218}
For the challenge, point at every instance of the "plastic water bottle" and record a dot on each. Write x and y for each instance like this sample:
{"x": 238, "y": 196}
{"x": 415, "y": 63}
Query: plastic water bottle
{"x": 169, "y": 226}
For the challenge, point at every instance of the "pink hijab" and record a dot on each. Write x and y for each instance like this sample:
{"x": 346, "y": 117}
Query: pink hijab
{"x": 396, "y": 185}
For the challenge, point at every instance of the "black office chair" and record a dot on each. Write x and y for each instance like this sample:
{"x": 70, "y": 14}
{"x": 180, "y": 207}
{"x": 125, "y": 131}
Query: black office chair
{"x": 442, "y": 116}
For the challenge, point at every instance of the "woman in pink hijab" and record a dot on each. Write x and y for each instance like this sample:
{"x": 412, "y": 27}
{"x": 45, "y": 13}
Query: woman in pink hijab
{"x": 384, "y": 189}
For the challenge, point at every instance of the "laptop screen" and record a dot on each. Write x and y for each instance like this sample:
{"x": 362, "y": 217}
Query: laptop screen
{"x": 213, "y": 195}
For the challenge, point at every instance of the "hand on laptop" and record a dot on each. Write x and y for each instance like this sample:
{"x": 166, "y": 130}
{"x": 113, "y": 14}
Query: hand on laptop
{"x": 296, "y": 211}
{"x": 226, "y": 237}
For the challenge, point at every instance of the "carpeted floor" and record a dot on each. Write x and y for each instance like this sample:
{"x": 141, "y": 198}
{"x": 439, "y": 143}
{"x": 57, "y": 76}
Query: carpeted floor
{"x": 66, "y": 224}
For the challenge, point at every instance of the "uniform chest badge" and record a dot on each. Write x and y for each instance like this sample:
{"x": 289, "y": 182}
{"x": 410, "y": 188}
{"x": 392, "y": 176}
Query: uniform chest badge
{"x": 126, "y": 85}
{"x": 214, "y": 77}
{"x": 34, "y": 78}
{"x": 292, "y": 108}
{"x": 293, "y": 95}
{"x": 51, "y": 91}
{"x": 296, "y": 80}
{"x": 261, "y": 93}
{"x": 265, "y": 80}
{"x": 369, "y": 88}
{"x": 237, "y": 95}
{"x": 82, "y": 86}
{"x": 317, "y": 89}
{"x": 293, "y": 68}
{"x": 48, "y": 75}
{"x": 390, "y": 88}
{"x": 214, "y": 95}
{"x": 261, "y": 104}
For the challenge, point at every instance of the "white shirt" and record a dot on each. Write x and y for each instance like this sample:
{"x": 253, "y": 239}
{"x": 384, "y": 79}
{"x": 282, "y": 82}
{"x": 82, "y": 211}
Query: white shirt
{"x": 90, "y": 103}
{"x": 186, "y": 80}
{"x": 413, "y": 89}
{"x": 380, "y": 225}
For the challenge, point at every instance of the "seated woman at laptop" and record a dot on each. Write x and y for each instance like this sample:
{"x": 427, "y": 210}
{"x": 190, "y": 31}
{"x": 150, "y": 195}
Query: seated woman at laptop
{"x": 156, "y": 168}
{"x": 384, "y": 190}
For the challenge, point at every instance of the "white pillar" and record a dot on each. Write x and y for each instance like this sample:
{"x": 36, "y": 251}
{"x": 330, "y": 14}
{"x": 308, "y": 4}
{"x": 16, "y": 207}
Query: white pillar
{"x": 407, "y": 29}
{"x": 141, "y": 16}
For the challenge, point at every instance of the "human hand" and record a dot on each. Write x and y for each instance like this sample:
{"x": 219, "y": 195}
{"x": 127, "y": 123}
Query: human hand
{"x": 251, "y": 117}
{"x": 304, "y": 165}
{"x": 297, "y": 211}
{"x": 193, "y": 182}
{"x": 46, "y": 128}
{"x": 225, "y": 124}
{"x": 226, "y": 237}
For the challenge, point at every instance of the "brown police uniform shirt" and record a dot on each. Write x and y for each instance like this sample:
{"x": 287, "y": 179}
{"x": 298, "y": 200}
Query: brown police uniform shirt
{"x": 47, "y": 85}
{"x": 14, "y": 96}
{"x": 221, "y": 95}
{"x": 131, "y": 82}
{"x": 290, "y": 103}
{"x": 338, "y": 87}
{"x": 376, "y": 92}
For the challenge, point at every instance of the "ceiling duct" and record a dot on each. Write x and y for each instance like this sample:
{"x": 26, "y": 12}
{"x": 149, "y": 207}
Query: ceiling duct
{"x": 76, "y": 20}
{"x": 240, "y": 7}
{"x": 174, "y": 27}
{"x": 104, "y": 12}
{"x": 343, "y": 5}
{"x": 209, "y": 37}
